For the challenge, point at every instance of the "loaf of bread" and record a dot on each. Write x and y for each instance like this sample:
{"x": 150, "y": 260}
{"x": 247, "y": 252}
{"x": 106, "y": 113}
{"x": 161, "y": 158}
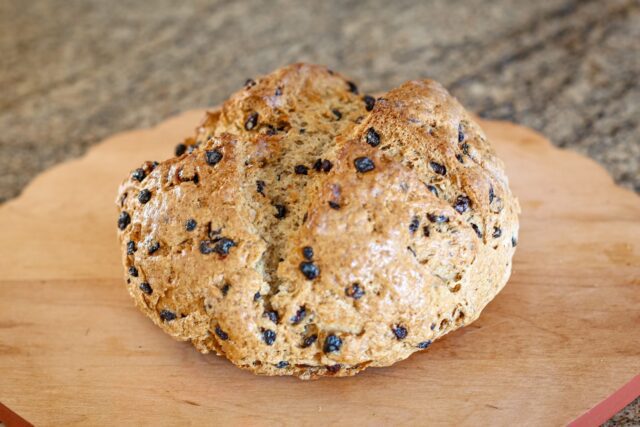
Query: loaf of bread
{"x": 310, "y": 230}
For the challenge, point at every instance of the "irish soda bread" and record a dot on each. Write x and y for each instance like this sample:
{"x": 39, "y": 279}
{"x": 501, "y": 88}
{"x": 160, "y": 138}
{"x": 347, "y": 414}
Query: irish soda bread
{"x": 310, "y": 230}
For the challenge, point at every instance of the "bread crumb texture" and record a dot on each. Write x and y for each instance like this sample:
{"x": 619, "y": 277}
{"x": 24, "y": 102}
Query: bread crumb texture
{"x": 308, "y": 229}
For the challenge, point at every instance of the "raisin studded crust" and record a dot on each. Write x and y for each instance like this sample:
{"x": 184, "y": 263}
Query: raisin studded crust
{"x": 310, "y": 230}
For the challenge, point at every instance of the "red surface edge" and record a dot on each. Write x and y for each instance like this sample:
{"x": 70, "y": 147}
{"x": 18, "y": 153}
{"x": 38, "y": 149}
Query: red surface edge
{"x": 609, "y": 406}
{"x": 11, "y": 419}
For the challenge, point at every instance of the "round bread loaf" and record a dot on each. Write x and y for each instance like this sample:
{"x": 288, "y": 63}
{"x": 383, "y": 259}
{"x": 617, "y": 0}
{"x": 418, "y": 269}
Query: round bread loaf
{"x": 310, "y": 230}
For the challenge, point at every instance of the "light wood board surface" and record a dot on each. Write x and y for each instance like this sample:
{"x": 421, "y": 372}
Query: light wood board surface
{"x": 562, "y": 335}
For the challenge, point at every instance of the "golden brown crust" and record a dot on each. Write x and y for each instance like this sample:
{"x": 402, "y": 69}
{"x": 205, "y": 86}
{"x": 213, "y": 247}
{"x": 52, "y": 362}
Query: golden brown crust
{"x": 404, "y": 205}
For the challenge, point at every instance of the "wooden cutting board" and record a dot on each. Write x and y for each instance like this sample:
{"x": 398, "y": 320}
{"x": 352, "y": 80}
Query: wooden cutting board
{"x": 562, "y": 335}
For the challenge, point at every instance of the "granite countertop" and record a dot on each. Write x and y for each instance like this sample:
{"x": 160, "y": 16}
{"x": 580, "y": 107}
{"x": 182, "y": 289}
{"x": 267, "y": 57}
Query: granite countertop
{"x": 75, "y": 72}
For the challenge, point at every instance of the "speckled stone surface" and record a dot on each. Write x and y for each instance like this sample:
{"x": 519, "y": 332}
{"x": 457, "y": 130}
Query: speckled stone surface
{"x": 75, "y": 72}
{"x": 628, "y": 417}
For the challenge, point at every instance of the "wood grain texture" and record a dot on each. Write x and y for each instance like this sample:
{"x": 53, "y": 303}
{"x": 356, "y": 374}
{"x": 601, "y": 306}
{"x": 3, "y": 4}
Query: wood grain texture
{"x": 562, "y": 335}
